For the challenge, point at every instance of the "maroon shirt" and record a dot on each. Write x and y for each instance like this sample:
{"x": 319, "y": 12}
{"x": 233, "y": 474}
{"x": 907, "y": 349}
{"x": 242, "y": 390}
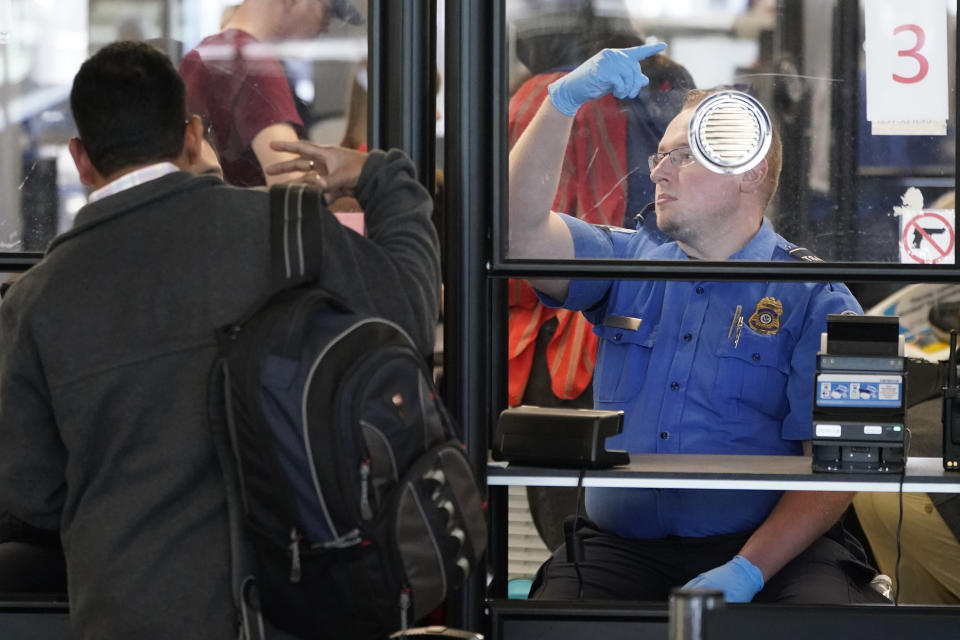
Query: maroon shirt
{"x": 237, "y": 93}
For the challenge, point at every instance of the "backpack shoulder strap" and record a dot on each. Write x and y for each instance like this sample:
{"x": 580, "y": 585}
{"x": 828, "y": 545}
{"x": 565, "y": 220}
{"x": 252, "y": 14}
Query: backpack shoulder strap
{"x": 250, "y": 622}
{"x": 294, "y": 221}
{"x": 294, "y": 248}
{"x": 294, "y": 214}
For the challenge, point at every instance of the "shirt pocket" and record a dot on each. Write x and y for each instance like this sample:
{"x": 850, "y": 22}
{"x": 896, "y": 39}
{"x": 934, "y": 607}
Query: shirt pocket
{"x": 622, "y": 359}
{"x": 755, "y": 372}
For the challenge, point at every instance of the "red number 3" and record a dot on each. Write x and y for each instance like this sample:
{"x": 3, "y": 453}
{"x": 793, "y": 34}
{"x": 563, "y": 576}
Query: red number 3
{"x": 912, "y": 53}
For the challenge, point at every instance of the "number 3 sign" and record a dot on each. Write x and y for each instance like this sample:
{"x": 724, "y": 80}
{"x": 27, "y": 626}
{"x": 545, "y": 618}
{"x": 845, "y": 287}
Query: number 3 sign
{"x": 906, "y": 47}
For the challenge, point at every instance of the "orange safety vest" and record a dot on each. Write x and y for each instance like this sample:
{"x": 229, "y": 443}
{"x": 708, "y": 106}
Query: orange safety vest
{"x": 593, "y": 187}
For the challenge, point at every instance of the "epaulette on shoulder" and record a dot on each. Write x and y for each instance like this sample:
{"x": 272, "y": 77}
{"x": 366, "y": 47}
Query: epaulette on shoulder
{"x": 801, "y": 253}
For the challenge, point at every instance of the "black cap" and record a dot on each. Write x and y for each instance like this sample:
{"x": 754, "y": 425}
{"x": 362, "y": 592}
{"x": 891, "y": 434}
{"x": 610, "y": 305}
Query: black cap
{"x": 347, "y": 11}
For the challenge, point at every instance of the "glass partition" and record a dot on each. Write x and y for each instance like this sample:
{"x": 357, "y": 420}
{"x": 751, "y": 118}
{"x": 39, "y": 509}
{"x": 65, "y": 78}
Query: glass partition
{"x": 862, "y": 95}
{"x": 43, "y": 43}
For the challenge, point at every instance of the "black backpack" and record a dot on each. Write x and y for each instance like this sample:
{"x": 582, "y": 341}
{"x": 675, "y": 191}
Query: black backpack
{"x": 358, "y": 510}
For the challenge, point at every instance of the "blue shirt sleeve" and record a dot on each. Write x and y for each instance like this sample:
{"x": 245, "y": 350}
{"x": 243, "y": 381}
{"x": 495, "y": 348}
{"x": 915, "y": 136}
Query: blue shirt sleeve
{"x": 589, "y": 241}
{"x": 598, "y": 243}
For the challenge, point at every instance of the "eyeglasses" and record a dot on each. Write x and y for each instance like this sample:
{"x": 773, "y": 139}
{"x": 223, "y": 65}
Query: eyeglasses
{"x": 679, "y": 157}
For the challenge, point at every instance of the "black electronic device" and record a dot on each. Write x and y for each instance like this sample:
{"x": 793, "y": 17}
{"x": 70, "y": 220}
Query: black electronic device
{"x": 558, "y": 437}
{"x": 863, "y": 335}
{"x": 574, "y": 620}
{"x": 951, "y": 411}
{"x": 859, "y": 447}
{"x": 859, "y": 404}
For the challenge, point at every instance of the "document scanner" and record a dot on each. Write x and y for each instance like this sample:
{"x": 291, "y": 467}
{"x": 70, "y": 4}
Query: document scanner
{"x": 859, "y": 401}
{"x": 557, "y": 437}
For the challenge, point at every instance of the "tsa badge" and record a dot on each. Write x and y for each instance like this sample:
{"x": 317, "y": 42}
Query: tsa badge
{"x": 766, "y": 317}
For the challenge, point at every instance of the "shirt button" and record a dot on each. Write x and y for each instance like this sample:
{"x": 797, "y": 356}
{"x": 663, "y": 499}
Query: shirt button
{"x": 687, "y": 337}
{"x": 674, "y": 385}
{"x": 617, "y": 337}
{"x": 756, "y": 356}
{"x": 700, "y": 290}
{"x": 664, "y": 435}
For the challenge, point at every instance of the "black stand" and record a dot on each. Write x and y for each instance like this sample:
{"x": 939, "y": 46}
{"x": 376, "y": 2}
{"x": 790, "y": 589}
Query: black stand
{"x": 951, "y": 411}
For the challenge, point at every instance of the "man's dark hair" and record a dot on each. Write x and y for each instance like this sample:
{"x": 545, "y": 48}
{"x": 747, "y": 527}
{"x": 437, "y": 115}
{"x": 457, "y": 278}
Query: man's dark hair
{"x": 129, "y": 104}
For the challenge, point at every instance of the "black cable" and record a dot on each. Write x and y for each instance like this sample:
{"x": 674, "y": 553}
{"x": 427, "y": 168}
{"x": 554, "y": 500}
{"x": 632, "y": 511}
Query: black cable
{"x": 896, "y": 566}
{"x": 574, "y": 540}
{"x": 639, "y": 219}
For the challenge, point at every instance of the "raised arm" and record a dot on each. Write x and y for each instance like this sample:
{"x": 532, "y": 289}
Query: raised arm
{"x": 268, "y": 155}
{"x": 395, "y": 269}
{"x": 537, "y": 158}
{"x": 535, "y": 164}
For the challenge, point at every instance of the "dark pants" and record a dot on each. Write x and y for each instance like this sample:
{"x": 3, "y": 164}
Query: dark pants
{"x": 614, "y": 568}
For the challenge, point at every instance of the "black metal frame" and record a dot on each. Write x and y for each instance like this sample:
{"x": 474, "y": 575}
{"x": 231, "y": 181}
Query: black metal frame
{"x": 845, "y": 119}
{"x": 739, "y": 270}
{"x": 790, "y": 101}
{"x": 401, "y": 62}
{"x": 517, "y": 619}
{"x": 15, "y": 262}
{"x": 402, "y": 71}
{"x": 475, "y": 179}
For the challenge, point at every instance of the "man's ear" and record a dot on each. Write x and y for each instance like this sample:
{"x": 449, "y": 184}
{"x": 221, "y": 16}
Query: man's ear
{"x": 89, "y": 175}
{"x": 752, "y": 180}
{"x": 193, "y": 140}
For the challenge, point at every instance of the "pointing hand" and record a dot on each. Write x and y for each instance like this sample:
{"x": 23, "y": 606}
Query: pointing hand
{"x": 615, "y": 71}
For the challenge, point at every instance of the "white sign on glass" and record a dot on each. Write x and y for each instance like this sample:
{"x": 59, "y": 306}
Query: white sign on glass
{"x": 906, "y": 56}
{"x": 927, "y": 235}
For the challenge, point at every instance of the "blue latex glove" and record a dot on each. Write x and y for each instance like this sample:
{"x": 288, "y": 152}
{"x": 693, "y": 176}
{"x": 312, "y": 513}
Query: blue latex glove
{"x": 739, "y": 580}
{"x": 613, "y": 71}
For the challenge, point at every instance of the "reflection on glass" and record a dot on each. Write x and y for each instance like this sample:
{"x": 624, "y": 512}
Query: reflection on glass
{"x": 237, "y": 82}
{"x": 846, "y": 192}
{"x": 42, "y": 44}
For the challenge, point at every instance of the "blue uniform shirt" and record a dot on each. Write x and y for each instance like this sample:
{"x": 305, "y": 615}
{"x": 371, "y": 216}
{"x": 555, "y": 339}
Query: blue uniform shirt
{"x": 691, "y": 378}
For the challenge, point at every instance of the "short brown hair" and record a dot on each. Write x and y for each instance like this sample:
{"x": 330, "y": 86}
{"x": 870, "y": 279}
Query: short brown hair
{"x": 774, "y": 155}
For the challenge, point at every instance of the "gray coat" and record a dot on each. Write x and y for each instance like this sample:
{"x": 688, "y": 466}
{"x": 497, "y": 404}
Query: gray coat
{"x": 106, "y": 347}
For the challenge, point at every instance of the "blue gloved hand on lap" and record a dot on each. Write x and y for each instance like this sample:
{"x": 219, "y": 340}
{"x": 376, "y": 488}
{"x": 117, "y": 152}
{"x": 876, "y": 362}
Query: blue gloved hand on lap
{"x": 739, "y": 580}
{"x": 613, "y": 71}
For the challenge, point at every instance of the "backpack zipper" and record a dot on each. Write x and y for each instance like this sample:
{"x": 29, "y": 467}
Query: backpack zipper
{"x": 354, "y": 432}
{"x": 365, "y": 511}
{"x": 351, "y": 537}
{"x": 294, "y": 555}
{"x": 404, "y": 607}
{"x": 343, "y": 542}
